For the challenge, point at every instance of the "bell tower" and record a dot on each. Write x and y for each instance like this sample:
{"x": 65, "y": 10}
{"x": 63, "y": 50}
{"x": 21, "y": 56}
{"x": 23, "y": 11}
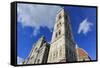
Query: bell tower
{"x": 62, "y": 48}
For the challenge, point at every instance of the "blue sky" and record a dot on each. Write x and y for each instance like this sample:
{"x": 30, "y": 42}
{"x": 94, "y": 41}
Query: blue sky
{"x": 36, "y": 20}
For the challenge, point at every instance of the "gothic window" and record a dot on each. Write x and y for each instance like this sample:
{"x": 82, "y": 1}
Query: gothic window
{"x": 57, "y": 26}
{"x": 60, "y": 23}
{"x": 59, "y": 16}
{"x": 59, "y": 32}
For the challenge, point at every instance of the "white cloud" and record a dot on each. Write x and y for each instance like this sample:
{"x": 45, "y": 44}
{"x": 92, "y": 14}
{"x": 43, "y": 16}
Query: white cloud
{"x": 85, "y": 26}
{"x": 19, "y": 60}
{"x": 37, "y": 16}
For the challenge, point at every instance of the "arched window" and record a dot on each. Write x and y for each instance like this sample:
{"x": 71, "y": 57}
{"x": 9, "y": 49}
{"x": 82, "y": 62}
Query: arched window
{"x": 57, "y": 26}
{"x": 60, "y": 23}
{"x": 59, "y": 16}
{"x": 59, "y": 32}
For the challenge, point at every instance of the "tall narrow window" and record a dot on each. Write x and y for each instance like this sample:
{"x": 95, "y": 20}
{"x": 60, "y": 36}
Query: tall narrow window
{"x": 59, "y": 16}
{"x": 60, "y": 23}
{"x": 59, "y": 32}
{"x": 57, "y": 26}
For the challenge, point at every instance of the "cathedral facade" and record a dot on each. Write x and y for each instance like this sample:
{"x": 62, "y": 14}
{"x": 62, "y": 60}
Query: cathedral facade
{"x": 62, "y": 47}
{"x": 39, "y": 52}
